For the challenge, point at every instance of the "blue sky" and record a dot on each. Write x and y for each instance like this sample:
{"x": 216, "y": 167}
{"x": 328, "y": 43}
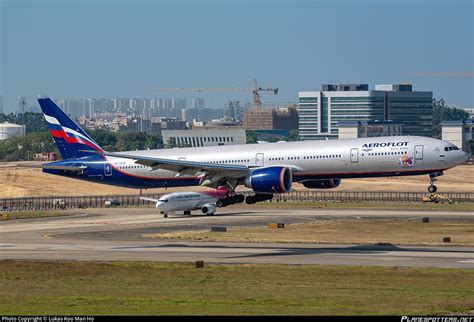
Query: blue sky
{"x": 126, "y": 48}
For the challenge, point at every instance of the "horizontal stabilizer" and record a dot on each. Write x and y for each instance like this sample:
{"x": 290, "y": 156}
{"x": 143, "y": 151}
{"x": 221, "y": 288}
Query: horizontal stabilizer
{"x": 65, "y": 167}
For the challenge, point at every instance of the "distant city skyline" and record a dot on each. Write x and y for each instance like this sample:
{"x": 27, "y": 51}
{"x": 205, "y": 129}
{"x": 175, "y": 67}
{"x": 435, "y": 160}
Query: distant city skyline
{"x": 82, "y": 49}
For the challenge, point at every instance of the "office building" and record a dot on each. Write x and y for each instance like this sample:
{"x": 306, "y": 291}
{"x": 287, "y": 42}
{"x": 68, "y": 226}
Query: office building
{"x": 204, "y": 137}
{"x": 368, "y": 129}
{"x": 321, "y": 111}
{"x": 470, "y": 111}
{"x": 458, "y": 132}
{"x": 271, "y": 119}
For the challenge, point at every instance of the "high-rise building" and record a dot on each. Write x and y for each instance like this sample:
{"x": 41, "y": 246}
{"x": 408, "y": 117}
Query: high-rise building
{"x": 178, "y": 103}
{"x": 198, "y": 103}
{"x": 320, "y": 111}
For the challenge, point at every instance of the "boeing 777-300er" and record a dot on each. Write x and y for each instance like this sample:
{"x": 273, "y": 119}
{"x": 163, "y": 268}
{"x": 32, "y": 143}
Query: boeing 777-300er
{"x": 265, "y": 168}
{"x": 207, "y": 201}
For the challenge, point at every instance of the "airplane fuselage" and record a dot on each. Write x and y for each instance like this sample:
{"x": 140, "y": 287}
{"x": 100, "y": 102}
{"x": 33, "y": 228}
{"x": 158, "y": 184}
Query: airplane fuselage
{"x": 309, "y": 160}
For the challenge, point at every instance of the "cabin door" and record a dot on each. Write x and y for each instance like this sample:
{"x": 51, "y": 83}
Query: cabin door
{"x": 354, "y": 155}
{"x": 259, "y": 160}
{"x": 419, "y": 152}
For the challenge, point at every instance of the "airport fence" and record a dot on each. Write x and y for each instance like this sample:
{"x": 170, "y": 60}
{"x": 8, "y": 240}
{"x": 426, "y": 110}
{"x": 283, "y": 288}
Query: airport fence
{"x": 67, "y": 202}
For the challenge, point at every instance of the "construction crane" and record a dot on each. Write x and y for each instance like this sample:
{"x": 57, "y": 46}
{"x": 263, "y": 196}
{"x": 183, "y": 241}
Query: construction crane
{"x": 255, "y": 91}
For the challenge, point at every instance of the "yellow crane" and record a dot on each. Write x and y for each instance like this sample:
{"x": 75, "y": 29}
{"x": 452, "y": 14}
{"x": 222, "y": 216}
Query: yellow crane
{"x": 255, "y": 91}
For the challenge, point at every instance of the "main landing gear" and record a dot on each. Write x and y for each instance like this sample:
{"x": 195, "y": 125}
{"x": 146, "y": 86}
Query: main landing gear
{"x": 230, "y": 200}
{"x": 258, "y": 197}
{"x": 432, "y": 188}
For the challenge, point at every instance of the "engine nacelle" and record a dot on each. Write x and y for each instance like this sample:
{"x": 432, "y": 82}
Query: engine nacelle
{"x": 322, "y": 184}
{"x": 270, "y": 180}
{"x": 208, "y": 209}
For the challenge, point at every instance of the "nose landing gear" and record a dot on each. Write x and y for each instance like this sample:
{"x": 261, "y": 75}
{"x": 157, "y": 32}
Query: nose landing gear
{"x": 432, "y": 188}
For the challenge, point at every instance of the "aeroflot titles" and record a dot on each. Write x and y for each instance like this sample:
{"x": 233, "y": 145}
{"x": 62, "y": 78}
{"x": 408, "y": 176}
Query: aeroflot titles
{"x": 385, "y": 144}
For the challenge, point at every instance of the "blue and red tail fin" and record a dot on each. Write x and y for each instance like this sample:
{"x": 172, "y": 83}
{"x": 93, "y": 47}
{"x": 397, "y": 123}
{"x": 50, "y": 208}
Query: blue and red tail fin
{"x": 71, "y": 140}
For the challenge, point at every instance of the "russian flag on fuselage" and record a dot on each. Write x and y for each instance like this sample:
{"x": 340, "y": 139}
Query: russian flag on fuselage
{"x": 69, "y": 137}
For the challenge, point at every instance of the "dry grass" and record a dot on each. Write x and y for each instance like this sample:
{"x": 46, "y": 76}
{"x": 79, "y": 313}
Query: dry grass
{"x": 24, "y": 182}
{"x": 399, "y": 232}
{"x": 131, "y": 288}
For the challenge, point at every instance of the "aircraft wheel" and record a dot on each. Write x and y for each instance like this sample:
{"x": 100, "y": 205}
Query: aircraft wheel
{"x": 209, "y": 214}
{"x": 240, "y": 198}
{"x": 165, "y": 215}
{"x": 250, "y": 200}
{"x": 432, "y": 189}
{"x": 220, "y": 203}
{"x": 187, "y": 213}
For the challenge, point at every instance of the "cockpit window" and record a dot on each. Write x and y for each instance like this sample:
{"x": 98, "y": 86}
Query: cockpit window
{"x": 451, "y": 148}
{"x": 163, "y": 200}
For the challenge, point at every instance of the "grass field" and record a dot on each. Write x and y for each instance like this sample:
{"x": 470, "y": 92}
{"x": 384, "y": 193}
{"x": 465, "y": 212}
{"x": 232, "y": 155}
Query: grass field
{"x": 130, "y": 288}
{"x": 399, "y": 232}
{"x": 32, "y": 214}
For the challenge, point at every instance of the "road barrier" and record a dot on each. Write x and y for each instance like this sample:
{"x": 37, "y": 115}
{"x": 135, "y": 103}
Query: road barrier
{"x": 67, "y": 202}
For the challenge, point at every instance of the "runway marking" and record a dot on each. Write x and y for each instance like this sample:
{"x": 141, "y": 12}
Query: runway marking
{"x": 47, "y": 236}
{"x": 94, "y": 222}
{"x": 467, "y": 261}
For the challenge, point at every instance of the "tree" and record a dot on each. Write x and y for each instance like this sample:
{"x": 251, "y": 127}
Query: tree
{"x": 34, "y": 122}
{"x": 171, "y": 143}
{"x": 251, "y": 136}
{"x": 294, "y": 135}
{"x": 442, "y": 112}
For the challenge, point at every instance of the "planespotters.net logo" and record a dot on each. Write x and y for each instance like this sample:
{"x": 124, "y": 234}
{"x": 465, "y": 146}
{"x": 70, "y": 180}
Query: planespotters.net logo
{"x": 406, "y": 161}
{"x": 437, "y": 319}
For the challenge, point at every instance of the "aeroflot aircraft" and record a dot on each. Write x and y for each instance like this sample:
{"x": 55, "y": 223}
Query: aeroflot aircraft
{"x": 265, "y": 168}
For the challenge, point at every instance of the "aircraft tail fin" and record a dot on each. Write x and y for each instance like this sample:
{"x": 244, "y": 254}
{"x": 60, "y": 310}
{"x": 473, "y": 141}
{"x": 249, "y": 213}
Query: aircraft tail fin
{"x": 72, "y": 141}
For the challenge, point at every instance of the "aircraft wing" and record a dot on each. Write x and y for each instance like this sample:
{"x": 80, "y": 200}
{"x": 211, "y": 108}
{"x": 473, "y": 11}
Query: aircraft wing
{"x": 149, "y": 199}
{"x": 210, "y": 173}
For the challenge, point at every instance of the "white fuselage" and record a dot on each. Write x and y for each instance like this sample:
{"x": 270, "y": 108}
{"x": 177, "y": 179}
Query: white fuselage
{"x": 184, "y": 201}
{"x": 311, "y": 160}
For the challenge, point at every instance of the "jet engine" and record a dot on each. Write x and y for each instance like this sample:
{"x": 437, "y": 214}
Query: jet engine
{"x": 208, "y": 209}
{"x": 322, "y": 184}
{"x": 270, "y": 180}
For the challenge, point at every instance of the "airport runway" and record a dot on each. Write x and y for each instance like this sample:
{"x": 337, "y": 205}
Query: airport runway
{"x": 116, "y": 234}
